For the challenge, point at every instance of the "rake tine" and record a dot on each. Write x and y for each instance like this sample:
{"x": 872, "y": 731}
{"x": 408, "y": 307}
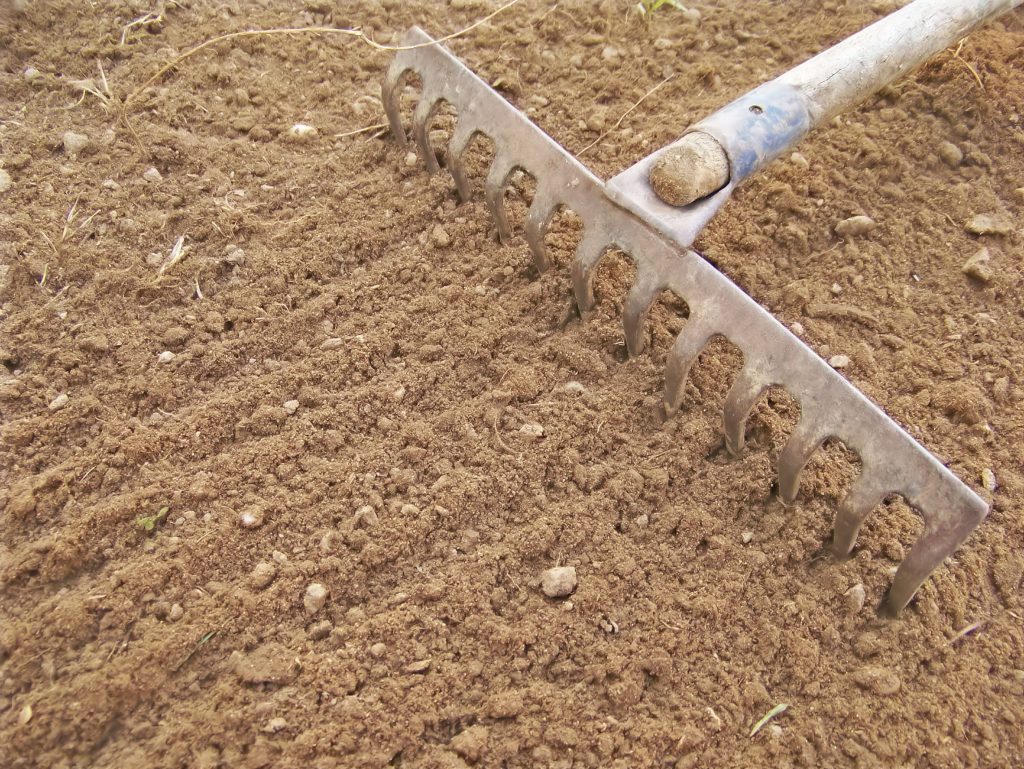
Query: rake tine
{"x": 389, "y": 97}
{"x": 542, "y": 209}
{"x": 463, "y": 135}
{"x": 805, "y": 440}
{"x": 863, "y": 497}
{"x": 591, "y": 248}
{"x": 421, "y": 118}
{"x": 494, "y": 192}
{"x": 642, "y": 293}
{"x": 691, "y": 340}
{"x": 740, "y": 399}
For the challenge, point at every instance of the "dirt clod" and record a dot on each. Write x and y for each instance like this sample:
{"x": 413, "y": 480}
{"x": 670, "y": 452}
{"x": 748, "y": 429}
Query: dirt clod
{"x": 558, "y": 582}
{"x": 877, "y": 680}
{"x": 314, "y": 598}
{"x": 854, "y": 226}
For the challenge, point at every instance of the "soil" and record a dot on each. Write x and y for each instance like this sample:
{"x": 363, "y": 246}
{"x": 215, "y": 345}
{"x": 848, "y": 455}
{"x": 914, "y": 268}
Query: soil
{"x": 328, "y": 384}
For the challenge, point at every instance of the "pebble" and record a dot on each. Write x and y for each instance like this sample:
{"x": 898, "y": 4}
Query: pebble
{"x": 746, "y": 537}
{"x": 59, "y": 402}
{"x": 663, "y": 44}
{"x": 250, "y": 520}
{"x": 176, "y": 612}
{"x": 798, "y": 159}
{"x": 532, "y": 431}
{"x": 855, "y": 225}
{"x": 165, "y": 357}
{"x": 855, "y": 598}
{"x": 574, "y": 388}
{"x": 275, "y": 725}
{"x": 610, "y": 54}
{"x": 315, "y": 598}
{"x": 839, "y": 361}
{"x": 989, "y": 224}
{"x": 877, "y": 680}
{"x": 302, "y": 132}
{"x": 318, "y": 631}
{"x": 332, "y": 344}
{"x": 378, "y": 650}
{"x": 439, "y": 237}
{"x": 262, "y": 575}
{"x": 366, "y": 517}
{"x": 25, "y": 715}
{"x": 988, "y": 480}
{"x": 31, "y": 74}
{"x": 950, "y": 154}
{"x": 978, "y": 266}
{"x": 152, "y": 175}
{"x": 5, "y": 181}
{"x": 558, "y": 582}
{"x": 797, "y": 328}
{"x": 410, "y": 159}
{"x": 419, "y": 666}
{"x": 74, "y": 143}
{"x": 290, "y": 407}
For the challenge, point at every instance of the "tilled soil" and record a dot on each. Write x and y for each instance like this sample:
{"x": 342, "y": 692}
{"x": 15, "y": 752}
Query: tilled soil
{"x": 273, "y": 363}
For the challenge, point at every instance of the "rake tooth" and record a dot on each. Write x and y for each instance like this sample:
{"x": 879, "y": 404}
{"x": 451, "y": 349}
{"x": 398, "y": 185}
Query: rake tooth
{"x": 538, "y": 217}
{"x": 494, "y": 192}
{"x": 941, "y": 536}
{"x": 461, "y": 138}
{"x": 863, "y": 497}
{"x": 389, "y": 96}
{"x": 588, "y": 253}
{"x": 691, "y": 340}
{"x": 421, "y": 118}
{"x": 738, "y": 402}
{"x": 642, "y": 293}
{"x": 805, "y": 440}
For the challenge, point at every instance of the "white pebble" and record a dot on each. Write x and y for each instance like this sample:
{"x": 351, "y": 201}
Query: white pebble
{"x": 31, "y": 74}
{"x": 410, "y": 159}
{"x": 610, "y": 53}
{"x": 152, "y": 175}
{"x": 798, "y": 159}
{"x": 5, "y": 181}
{"x": 275, "y": 725}
{"x": 746, "y": 537}
{"x": 176, "y": 612}
{"x": 797, "y": 328}
{"x": 302, "y": 132}
{"x": 532, "y": 431}
{"x": 558, "y": 582}
{"x": 855, "y": 598}
{"x": 315, "y": 598}
{"x": 59, "y": 402}
{"x": 378, "y": 650}
{"x": 855, "y": 225}
{"x": 978, "y": 267}
{"x": 574, "y": 388}
{"x": 839, "y": 361}
{"x": 290, "y": 407}
{"x": 165, "y": 357}
{"x": 263, "y": 574}
{"x": 989, "y": 224}
{"x": 366, "y": 517}
{"x": 74, "y": 143}
{"x": 988, "y": 480}
{"x": 249, "y": 520}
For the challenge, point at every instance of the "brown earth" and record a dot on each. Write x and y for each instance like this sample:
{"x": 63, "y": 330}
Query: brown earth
{"x": 333, "y": 273}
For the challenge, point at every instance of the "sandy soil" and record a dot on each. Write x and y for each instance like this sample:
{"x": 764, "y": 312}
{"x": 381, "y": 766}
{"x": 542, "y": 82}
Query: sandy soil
{"x": 329, "y": 387}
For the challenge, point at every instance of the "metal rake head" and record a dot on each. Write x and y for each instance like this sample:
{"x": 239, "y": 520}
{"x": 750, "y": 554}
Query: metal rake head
{"x": 892, "y": 462}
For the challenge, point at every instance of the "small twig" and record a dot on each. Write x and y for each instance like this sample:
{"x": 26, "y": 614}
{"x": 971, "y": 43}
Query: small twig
{"x": 966, "y": 631}
{"x": 624, "y": 114}
{"x": 360, "y": 130}
{"x": 195, "y": 649}
{"x": 962, "y": 60}
{"x": 777, "y": 710}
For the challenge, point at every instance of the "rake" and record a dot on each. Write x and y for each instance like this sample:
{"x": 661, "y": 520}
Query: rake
{"x": 627, "y": 213}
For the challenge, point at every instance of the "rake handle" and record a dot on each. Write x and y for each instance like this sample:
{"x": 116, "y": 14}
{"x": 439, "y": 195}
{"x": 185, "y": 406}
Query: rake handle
{"x": 760, "y": 125}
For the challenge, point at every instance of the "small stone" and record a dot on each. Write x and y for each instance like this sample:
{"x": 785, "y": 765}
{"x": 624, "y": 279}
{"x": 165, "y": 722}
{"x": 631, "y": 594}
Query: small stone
{"x": 989, "y": 224}
{"x": 398, "y": 394}
{"x": 332, "y": 344}
{"x": 366, "y": 517}
{"x": 419, "y": 666}
{"x": 610, "y": 54}
{"x": 470, "y": 743}
{"x": 251, "y": 519}
{"x": 279, "y": 557}
{"x": 262, "y": 575}
{"x": 797, "y": 328}
{"x": 439, "y": 237}
{"x": 692, "y": 15}
{"x": 839, "y": 361}
{"x": 31, "y": 74}
{"x": 302, "y": 132}
{"x": 978, "y": 266}
{"x": 558, "y": 582}
{"x": 378, "y": 650}
{"x": 855, "y": 225}
{"x": 1001, "y": 389}
{"x": 290, "y": 407}
{"x": 315, "y": 598}
{"x": 799, "y": 160}
{"x": 75, "y": 143}
{"x": 176, "y": 612}
{"x": 877, "y": 680}
{"x": 836, "y": 289}
{"x": 746, "y": 537}
{"x": 410, "y": 159}
{"x": 152, "y": 175}
{"x": 855, "y": 598}
{"x": 165, "y": 357}
{"x": 532, "y": 431}
{"x": 988, "y": 480}
{"x": 5, "y": 181}
{"x": 950, "y": 154}
{"x": 595, "y": 121}
{"x": 275, "y": 725}
{"x": 318, "y": 631}
{"x": 663, "y": 44}
{"x": 25, "y": 715}
{"x": 574, "y": 388}
{"x": 59, "y": 402}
